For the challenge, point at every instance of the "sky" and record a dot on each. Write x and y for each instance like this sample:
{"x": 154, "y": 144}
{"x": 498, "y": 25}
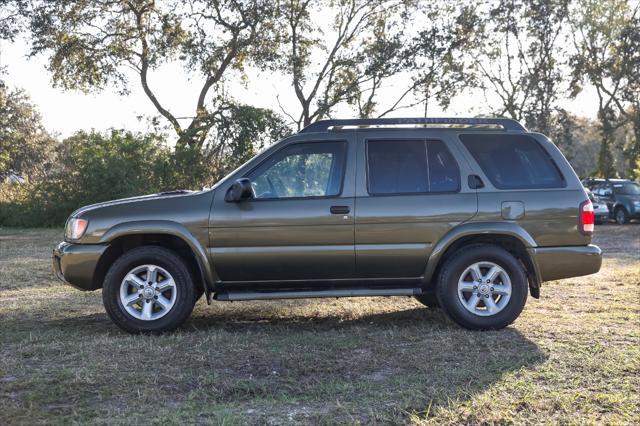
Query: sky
{"x": 65, "y": 112}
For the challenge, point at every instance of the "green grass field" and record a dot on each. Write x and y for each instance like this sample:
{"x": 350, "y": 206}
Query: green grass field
{"x": 572, "y": 357}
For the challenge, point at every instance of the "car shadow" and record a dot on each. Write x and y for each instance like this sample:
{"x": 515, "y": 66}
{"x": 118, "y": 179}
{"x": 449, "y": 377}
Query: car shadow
{"x": 415, "y": 358}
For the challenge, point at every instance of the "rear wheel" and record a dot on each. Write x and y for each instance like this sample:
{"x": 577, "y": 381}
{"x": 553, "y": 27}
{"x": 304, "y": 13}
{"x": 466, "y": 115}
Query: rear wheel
{"x": 482, "y": 287}
{"x": 148, "y": 289}
{"x": 622, "y": 217}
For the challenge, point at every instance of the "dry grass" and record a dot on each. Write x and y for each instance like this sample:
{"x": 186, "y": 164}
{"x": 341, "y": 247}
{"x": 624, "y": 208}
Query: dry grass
{"x": 572, "y": 357}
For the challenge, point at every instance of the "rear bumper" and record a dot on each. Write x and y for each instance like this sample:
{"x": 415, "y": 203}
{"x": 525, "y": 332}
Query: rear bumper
{"x": 602, "y": 217}
{"x": 75, "y": 264}
{"x": 555, "y": 263}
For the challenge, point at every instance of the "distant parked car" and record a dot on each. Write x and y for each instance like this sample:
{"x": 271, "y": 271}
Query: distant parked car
{"x": 600, "y": 208}
{"x": 622, "y": 197}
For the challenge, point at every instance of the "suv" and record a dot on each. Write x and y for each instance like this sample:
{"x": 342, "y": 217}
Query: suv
{"x": 471, "y": 215}
{"x": 622, "y": 197}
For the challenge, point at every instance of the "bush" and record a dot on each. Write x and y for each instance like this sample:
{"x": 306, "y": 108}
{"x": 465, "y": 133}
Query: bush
{"x": 94, "y": 168}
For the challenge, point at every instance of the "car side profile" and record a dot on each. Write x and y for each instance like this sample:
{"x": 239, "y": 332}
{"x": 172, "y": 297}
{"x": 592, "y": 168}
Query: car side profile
{"x": 470, "y": 215}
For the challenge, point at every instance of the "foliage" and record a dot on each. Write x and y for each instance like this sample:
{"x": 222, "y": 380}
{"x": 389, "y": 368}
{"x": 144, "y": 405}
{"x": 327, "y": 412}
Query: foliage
{"x": 25, "y": 146}
{"x": 636, "y": 170}
{"x": 241, "y": 131}
{"x": 91, "y": 45}
{"x": 95, "y": 167}
{"x": 345, "y": 61}
{"x": 437, "y": 56}
{"x": 12, "y": 14}
{"x": 606, "y": 56}
{"x": 518, "y": 61}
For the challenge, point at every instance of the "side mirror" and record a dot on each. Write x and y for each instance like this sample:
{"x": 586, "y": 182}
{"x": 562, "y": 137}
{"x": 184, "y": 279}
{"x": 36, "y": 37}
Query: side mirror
{"x": 240, "y": 190}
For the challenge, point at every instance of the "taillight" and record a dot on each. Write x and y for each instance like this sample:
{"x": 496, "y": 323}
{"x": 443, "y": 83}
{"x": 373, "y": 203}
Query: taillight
{"x": 587, "y": 218}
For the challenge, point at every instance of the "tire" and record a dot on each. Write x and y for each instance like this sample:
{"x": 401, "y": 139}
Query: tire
{"x": 174, "y": 290}
{"x": 508, "y": 291}
{"x": 621, "y": 216}
{"x": 428, "y": 299}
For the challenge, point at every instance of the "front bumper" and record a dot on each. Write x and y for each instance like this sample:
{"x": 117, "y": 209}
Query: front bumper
{"x": 76, "y": 264}
{"x": 555, "y": 263}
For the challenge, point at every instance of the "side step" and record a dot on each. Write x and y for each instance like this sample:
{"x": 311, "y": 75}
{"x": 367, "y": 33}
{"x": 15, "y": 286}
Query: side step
{"x": 307, "y": 294}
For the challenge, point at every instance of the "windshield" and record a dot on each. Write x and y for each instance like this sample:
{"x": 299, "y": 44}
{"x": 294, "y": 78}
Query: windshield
{"x": 629, "y": 188}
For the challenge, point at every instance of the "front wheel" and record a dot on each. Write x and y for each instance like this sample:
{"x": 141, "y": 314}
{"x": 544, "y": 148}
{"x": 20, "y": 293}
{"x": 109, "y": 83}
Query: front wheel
{"x": 148, "y": 289}
{"x": 482, "y": 287}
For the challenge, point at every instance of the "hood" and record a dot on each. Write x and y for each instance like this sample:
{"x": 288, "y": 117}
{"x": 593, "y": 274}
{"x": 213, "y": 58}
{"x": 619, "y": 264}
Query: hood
{"x": 131, "y": 200}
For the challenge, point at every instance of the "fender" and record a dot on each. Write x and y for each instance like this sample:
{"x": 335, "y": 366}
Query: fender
{"x": 166, "y": 227}
{"x": 469, "y": 229}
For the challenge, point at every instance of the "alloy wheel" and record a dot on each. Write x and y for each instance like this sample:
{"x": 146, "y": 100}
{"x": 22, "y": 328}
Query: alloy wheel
{"x": 484, "y": 288}
{"x": 148, "y": 292}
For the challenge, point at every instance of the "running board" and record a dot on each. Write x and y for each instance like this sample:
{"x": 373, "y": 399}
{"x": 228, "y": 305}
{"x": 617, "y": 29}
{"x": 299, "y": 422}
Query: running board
{"x": 306, "y": 294}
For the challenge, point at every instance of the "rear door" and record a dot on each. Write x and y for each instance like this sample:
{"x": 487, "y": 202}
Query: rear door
{"x": 299, "y": 225}
{"x": 410, "y": 191}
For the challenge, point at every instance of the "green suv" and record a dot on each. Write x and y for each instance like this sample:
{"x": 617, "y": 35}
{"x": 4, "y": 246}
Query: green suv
{"x": 470, "y": 215}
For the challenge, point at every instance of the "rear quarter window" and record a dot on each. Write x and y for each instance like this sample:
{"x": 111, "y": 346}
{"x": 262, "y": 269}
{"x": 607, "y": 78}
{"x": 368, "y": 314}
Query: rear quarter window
{"x": 513, "y": 161}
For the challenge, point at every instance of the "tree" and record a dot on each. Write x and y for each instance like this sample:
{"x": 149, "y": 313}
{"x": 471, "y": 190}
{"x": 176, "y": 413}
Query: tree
{"x": 94, "y": 44}
{"x": 240, "y": 131}
{"x": 25, "y": 146}
{"x": 437, "y": 57}
{"x": 12, "y": 13}
{"x": 630, "y": 105}
{"x": 604, "y": 58}
{"x": 518, "y": 62}
{"x": 346, "y": 63}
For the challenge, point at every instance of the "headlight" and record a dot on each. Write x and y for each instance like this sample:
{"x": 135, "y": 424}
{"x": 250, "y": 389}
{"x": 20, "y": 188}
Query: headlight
{"x": 636, "y": 203}
{"x": 75, "y": 228}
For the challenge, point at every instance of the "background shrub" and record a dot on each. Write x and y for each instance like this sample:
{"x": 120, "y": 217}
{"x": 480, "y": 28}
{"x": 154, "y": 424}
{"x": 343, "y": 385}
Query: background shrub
{"x": 94, "y": 167}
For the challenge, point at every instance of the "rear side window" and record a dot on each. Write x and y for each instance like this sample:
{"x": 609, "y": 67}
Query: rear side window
{"x": 513, "y": 161}
{"x": 411, "y": 166}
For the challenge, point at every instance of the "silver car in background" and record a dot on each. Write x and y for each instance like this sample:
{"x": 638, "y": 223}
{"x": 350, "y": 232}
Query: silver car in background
{"x": 600, "y": 209}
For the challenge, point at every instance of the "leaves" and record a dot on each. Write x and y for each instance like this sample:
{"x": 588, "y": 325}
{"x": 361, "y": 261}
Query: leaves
{"x": 25, "y": 146}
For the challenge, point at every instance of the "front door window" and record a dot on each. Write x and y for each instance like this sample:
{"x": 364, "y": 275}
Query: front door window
{"x": 301, "y": 171}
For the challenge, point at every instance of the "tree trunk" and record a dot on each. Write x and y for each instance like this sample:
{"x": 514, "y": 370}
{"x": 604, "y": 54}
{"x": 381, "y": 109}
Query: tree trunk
{"x": 605, "y": 158}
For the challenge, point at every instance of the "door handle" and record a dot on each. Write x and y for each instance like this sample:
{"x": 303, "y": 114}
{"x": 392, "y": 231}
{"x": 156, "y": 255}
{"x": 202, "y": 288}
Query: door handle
{"x": 339, "y": 209}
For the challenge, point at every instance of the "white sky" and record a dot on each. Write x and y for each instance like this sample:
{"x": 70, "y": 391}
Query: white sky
{"x": 65, "y": 112}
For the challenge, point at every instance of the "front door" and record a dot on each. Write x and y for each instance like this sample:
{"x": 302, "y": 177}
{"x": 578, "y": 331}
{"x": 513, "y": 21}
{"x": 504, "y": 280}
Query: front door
{"x": 409, "y": 194}
{"x": 298, "y": 225}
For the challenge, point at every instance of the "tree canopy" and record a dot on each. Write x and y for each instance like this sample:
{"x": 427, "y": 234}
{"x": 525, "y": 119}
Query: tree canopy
{"x": 93, "y": 44}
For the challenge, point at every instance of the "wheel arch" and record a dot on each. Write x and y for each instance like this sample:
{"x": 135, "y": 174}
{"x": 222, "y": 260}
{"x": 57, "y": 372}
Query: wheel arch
{"x": 619, "y": 206}
{"x": 172, "y": 235}
{"x": 507, "y": 235}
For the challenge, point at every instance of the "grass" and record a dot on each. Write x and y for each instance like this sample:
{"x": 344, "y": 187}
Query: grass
{"x": 572, "y": 357}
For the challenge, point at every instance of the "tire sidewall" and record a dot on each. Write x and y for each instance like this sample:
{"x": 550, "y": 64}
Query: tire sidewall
{"x": 152, "y": 255}
{"x": 448, "y": 287}
{"x": 621, "y": 216}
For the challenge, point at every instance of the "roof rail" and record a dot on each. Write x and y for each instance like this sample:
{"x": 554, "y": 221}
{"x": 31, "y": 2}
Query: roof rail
{"x": 323, "y": 126}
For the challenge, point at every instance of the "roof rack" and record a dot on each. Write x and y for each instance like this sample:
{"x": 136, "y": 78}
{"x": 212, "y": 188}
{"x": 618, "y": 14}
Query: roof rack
{"x": 507, "y": 124}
